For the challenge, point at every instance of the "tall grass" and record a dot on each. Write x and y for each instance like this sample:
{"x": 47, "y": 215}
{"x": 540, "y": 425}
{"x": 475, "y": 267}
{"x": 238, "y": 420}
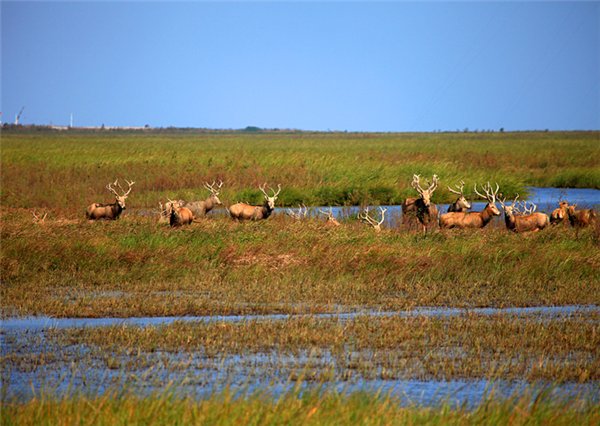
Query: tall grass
{"x": 67, "y": 171}
{"x": 134, "y": 266}
{"x": 294, "y": 409}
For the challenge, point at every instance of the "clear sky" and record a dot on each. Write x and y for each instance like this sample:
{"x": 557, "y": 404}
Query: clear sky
{"x": 356, "y": 66}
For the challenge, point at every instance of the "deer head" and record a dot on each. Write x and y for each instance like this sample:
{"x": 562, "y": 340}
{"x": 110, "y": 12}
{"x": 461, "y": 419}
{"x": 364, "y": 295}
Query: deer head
{"x": 511, "y": 209}
{"x": 120, "y": 198}
{"x": 425, "y": 194}
{"x": 462, "y": 201}
{"x": 214, "y": 192}
{"x": 490, "y": 196}
{"x": 330, "y": 217}
{"x": 364, "y": 215}
{"x": 270, "y": 199}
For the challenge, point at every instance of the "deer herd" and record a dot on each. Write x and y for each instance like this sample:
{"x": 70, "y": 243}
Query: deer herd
{"x": 519, "y": 216}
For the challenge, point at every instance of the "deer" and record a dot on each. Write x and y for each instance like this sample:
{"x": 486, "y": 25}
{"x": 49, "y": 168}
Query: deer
{"x": 561, "y": 214}
{"x": 97, "y": 211}
{"x": 528, "y": 221}
{"x": 165, "y": 209}
{"x": 200, "y": 208}
{"x": 243, "y": 211}
{"x": 331, "y": 220}
{"x": 364, "y": 215}
{"x": 480, "y": 219}
{"x": 461, "y": 204}
{"x": 178, "y": 215}
{"x": 581, "y": 218}
{"x": 39, "y": 218}
{"x": 420, "y": 207}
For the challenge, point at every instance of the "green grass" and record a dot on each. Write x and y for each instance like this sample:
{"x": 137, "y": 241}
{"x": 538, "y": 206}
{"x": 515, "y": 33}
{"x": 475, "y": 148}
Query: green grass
{"x": 64, "y": 172}
{"x": 292, "y": 409}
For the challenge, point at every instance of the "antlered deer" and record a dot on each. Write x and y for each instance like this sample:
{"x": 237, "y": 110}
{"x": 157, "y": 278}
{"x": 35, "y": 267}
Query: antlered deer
{"x": 97, "y": 211}
{"x": 178, "y": 215}
{"x": 331, "y": 220}
{"x": 200, "y": 208}
{"x": 581, "y": 218}
{"x": 302, "y": 213}
{"x": 421, "y": 207}
{"x": 527, "y": 222}
{"x": 473, "y": 219}
{"x": 165, "y": 210}
{"x": 376, "y": 224}
{"x": 243, "y": 211}
{"x": 560, "y": 214}
{"x": 461, "y": 204}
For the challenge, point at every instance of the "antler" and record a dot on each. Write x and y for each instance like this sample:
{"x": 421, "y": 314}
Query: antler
{"x": 111, "y": 189}
{"x": 211, "y": 187}
{"x": 275, "y": 194}
{"x": 528, "y": 210}
{"x": 37, "y": 219}
{"x": 460, "y": 189}
{"x": 364, "y": 215}
{"x": 302, "y": 212}
{"x": 490, "y": 194}
{"x": 434, "y": 184}
{"x": 116, "y": 182}
{"x": 329, "y": 213}
{"x": 415, "y": 184}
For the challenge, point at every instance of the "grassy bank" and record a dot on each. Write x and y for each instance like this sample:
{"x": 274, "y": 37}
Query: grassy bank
{"x": 136, "y": 267}
{"x": 315, "y": 408}
{"x": 64, "y": 172}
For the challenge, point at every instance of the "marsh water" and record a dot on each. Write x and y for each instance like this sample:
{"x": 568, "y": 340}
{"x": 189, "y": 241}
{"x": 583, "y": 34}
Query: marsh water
{"x": 65, "y": 369}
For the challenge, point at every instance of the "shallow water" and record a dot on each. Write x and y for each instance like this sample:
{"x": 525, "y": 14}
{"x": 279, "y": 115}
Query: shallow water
{"x": 33, "y": 361}
{"x": 42, "y": 322}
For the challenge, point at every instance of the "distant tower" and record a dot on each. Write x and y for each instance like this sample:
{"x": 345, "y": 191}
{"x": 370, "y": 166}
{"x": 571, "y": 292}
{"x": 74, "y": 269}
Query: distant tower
{"x": 18, "y": 116}
{"x": 71, "y": 122}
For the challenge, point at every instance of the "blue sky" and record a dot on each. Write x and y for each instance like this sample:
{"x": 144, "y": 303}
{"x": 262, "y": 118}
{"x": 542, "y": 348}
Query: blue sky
{"x": 356, "y": 66}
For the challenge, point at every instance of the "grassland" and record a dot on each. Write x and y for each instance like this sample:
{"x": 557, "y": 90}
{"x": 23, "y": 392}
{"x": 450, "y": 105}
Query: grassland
{"x": 292, "y": 409}
{"x": 136, "y": 267}
{"x": 67, "y": 267}
{"x": 64, "y": 172}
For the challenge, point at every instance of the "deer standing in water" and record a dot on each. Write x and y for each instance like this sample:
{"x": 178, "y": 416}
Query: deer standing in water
{"x": 200, "y": 208}
{"x": 473, "y": 219}
{"x": 97, "y": 211}
{"x": 528, "y": 221}
{"x": 461, "y": 204}
{"x": 376, "y": 224}
{"x": 420, "y": 207}
{"x": 561, "y": 214}
{"x": 243, "y": 211}
{"x": 178, "y": 215}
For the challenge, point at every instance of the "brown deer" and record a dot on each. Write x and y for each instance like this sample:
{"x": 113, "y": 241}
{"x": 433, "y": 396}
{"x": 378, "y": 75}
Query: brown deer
{"x": 376, "y": 224}
{"x": 243, "y": 211}
{"x": 420, "y": 207}
{"x": 178, "y": 215}
{"x": 581, "y": 218}
{"x": 97, "y": 211}
{"x": 561, "y": 214}
{"x": 331, "y": 220}
{"x": 200, "y": 208}
{"x": 473, "y": 219}
{"x": 165, "y": 209}
{"x": 461, "y": 204}
{"x": 528, "y": 221}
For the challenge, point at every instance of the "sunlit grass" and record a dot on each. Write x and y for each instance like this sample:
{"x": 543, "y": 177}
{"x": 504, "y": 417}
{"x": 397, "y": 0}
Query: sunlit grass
{"x": 315, "y": 408}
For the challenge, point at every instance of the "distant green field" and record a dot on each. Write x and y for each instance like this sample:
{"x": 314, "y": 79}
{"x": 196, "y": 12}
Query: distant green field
{"x": 65, "y": 171}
